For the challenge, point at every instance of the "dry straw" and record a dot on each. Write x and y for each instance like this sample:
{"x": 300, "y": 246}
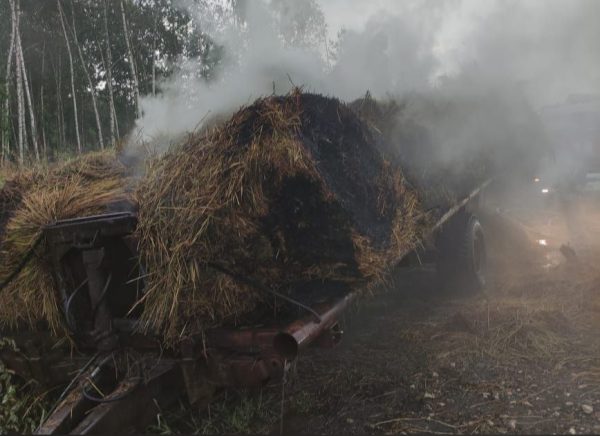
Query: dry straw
{"x": 292, "y": 191}
{"x": 268, "y": 195}
{"x": 80, "y": 187}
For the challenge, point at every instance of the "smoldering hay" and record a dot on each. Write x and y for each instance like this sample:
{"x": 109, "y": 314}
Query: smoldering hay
{"x": 291, "y": 193}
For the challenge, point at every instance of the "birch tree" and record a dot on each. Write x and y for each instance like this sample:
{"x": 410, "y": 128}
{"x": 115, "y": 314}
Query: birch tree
{"x": 114, "y": 128}
{"x": 134, "y": 76}
{"x": 90, "y": 83}
{"x": 60, "y": 119}
{"x": 32, "y": 124}
{"x": 6, "y": 109}
{"x": 19, "y": 76}
{"x": 130, "y": 44}
{"x": 42, "y": 113}
{"x": 75, "y": 115}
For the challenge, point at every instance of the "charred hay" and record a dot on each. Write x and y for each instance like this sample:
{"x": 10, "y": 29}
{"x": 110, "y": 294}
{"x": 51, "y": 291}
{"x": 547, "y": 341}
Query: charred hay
{"x": 291, "y": 191}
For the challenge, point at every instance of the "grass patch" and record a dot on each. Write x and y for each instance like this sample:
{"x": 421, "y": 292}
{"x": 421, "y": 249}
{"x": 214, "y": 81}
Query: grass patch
{"x": 247, "y": 412}
{"x": 302, "y": 403}
{"x": 21, "y": 409}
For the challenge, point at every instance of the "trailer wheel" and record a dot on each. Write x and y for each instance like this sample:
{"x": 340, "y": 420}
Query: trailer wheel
{"x": 462, "y": 256}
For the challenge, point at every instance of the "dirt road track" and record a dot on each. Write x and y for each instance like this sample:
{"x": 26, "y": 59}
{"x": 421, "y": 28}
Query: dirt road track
{"x": 523, "y": 359}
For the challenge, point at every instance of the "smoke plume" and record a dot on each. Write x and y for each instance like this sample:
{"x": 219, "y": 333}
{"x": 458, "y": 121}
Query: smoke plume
{"x": 497, "y": 61}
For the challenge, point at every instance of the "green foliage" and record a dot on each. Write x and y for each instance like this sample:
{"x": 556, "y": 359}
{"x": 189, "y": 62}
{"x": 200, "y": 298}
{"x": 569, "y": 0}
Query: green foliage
{"x": 165, "y": 38}
{"x": 232, "y": 413}
{"x": 20, "y": 410}
{"x": 160, "y": 36}
{"x": 302, "y": 403}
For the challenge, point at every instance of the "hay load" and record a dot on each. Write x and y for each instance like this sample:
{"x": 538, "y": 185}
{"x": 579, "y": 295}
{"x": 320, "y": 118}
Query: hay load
{"x": 290, "y": 192}
{"x": 31, "y": 199}
{"x": 11, "y": 193}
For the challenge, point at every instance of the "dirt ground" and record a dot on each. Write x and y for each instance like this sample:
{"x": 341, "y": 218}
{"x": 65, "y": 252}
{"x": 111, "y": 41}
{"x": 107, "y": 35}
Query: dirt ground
{"x": 438, "y": 364}
{"x": 524, "y": 357}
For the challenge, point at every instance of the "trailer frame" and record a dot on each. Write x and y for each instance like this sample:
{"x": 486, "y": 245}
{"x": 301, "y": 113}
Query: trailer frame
{"x": 218, "y": 358}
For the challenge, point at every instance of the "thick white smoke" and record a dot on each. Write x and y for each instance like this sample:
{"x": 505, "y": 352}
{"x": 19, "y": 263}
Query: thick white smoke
{"x": 256, "y": 63}
{"x": 544, "y": 49}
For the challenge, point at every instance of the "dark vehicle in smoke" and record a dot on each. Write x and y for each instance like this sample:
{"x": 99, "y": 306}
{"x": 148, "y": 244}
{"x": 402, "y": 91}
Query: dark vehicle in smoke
{"x": 574, "y": 131}
{"x": 567, "y": 184}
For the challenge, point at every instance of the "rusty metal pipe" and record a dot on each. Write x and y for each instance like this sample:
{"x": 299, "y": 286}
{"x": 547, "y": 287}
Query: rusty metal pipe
{"x": 247, "y": 341}
{"x": 285, "y": 342}
{"x": 304, "y": 331}
{"x": 253, "y": 342}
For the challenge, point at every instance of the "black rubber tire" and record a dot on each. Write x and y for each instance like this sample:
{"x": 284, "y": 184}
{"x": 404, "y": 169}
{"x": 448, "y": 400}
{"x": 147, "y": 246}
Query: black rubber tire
{"x": 462, "y": 257}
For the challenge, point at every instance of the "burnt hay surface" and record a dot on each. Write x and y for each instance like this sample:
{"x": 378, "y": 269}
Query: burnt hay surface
{"x": 291, "y": 190}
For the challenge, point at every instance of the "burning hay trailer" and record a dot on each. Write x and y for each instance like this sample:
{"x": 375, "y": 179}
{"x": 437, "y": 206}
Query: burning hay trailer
{"x": 236, "y": 249}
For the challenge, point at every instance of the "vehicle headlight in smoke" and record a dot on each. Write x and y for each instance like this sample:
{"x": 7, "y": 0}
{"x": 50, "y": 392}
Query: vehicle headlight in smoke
{"x": 545, "y": 191}
{"x": 536, "y": 180}
{"x": 543, "y": 242}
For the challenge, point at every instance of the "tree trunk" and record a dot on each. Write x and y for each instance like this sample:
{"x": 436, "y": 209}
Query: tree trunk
{"x": 154, "y": 58}
{"x": 42, "y": 114}
{"x": 6, "y": 109}
{"x": 61, "y": 115}
{"x": 154, "y": 73}
{"x": 136, "y": 86}
{"x": 62, "y": 22}
{"x": 20, "y": 100}
{"x": 58, "y": 98}
{"x": 114, "y": 128}
{"x": 89, "y": 80}
{"x": 32, "y": 124}
{"x": 82, "y": 121}
{"x": 14, "y": 130}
